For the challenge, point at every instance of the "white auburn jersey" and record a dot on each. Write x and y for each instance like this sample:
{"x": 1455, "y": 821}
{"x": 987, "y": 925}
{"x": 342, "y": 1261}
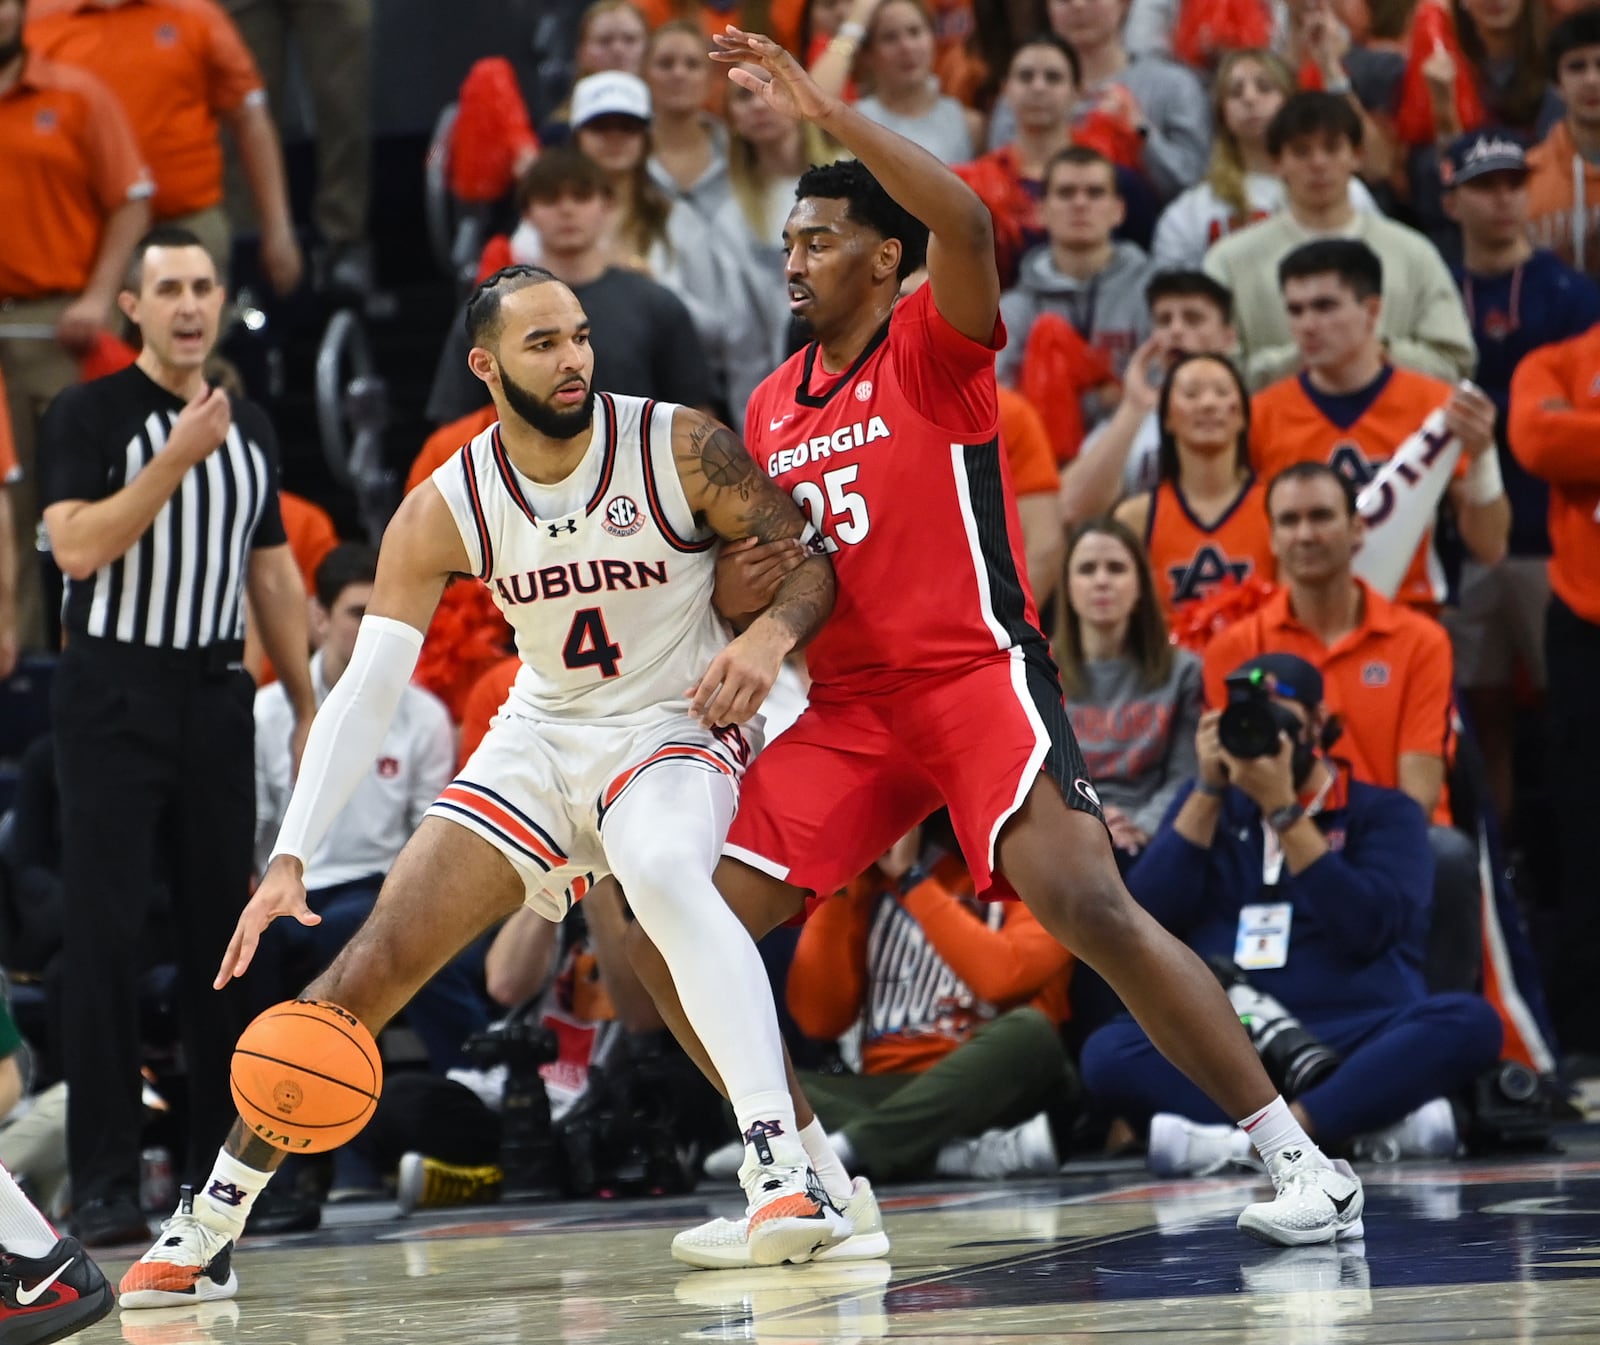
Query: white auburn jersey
{"x": 605, "y": 577}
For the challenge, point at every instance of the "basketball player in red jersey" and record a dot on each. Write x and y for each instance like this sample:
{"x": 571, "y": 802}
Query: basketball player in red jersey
{"x": 932, "y": 683}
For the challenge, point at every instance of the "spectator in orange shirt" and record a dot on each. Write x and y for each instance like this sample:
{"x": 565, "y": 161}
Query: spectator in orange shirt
{"x": 1387, "y": 675}
{"x": 1564, "y": 167}
{"x": 1554, "y": 431}
{"x": 1205, "y": 522}
{"x": 74, "y": 200}
{"x": 1026, "y": 444}
{"x": 974, "y": 1047}
{"x": 1352, "y": 408}
{"x": 447, "y": 439}
{"x": 179, "y": 69}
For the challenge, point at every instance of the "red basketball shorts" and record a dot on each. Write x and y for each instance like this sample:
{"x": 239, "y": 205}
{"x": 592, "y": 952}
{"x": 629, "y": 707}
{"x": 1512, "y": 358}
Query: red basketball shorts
{"x": 853, "y": 775}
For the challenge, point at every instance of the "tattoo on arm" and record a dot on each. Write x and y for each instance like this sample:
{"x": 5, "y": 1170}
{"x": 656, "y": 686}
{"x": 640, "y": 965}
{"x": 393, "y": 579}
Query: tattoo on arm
{"x": 803, "y": 600}
{"x": 728, "y": 492}
{"x": 733, "y": 497}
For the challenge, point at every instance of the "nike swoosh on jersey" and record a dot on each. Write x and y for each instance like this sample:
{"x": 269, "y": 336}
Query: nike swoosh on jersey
{"x": 780, "y": 421}
{"x": 27, "y": 1297}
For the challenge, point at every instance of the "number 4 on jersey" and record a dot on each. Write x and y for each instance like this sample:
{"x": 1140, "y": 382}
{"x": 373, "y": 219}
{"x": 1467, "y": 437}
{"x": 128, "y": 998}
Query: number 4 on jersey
{"x": 589, "y": 646}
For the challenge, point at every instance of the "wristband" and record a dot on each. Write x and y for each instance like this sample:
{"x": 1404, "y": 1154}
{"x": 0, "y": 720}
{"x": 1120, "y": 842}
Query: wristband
{"x": 1483, "y": 480}
{"x": 851, "y": 32}
{"x": 1210, "y": 791}
{"x": 1281, "y": 819}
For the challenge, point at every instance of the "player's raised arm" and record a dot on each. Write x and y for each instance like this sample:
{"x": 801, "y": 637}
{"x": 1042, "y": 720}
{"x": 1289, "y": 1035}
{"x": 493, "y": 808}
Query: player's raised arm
{"x": 961, "y": 266}
{"x": 421, "y": 549}
{"x": 733, "y": 497}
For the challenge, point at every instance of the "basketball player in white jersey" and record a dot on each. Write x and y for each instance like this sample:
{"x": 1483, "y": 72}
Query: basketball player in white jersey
{"x": 594, "y": 522}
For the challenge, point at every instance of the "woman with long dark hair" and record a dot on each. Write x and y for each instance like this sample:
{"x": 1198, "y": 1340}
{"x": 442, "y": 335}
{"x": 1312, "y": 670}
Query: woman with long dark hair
{"x": 1206, "y": 520}
{"x": 1134, "y": 699}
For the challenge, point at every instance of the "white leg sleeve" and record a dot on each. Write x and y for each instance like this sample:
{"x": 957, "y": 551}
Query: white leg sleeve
{"x": 663, "y": 839}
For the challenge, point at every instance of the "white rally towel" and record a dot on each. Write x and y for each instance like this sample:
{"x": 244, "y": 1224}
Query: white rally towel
{"x": 1400, "y": 502}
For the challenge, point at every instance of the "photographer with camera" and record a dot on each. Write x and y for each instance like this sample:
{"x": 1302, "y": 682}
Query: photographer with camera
{"x": 1388, "y": 673}
{"x": 1316, "y": 887}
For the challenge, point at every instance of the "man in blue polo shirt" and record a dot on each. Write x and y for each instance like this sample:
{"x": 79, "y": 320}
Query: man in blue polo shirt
{"x": 1318, "y": 888}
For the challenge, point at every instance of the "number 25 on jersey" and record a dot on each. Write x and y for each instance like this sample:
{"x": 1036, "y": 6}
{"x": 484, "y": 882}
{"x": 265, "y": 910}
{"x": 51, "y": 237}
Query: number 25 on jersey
{"x": 833, "y": 509}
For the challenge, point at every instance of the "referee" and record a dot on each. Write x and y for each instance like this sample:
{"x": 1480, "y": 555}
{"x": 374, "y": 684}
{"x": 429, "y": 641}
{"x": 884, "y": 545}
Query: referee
{"x": 161, "y": 502}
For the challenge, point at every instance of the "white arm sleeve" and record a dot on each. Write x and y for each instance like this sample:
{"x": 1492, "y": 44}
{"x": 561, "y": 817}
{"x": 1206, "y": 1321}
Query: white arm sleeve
{"x": 348, "y": 732}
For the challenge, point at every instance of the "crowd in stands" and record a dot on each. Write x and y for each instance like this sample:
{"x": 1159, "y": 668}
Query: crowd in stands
{"x": 1299, "y": 399}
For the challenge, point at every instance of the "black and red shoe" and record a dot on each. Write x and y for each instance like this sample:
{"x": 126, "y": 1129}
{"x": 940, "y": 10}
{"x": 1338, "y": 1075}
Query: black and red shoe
{"x": 51, "y": 1297}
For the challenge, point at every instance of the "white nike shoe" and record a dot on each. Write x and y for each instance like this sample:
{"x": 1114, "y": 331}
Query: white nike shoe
{"x": 190, "y": 1263}
{"x": 724, "y": 1244}
{"x": 1315, "y": 1202}
{"x": 1181, "y": 1148}
{"x": 1027, "y": 1150}
{"x": 789, "y": 1216}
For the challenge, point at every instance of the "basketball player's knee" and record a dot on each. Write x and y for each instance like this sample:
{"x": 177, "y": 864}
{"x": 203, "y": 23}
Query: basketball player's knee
{"x": 1089, "y": 912}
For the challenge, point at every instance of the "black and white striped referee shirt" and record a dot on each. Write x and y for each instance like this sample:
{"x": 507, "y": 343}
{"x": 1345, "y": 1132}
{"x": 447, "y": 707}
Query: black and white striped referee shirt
{"x": 181, "y": 585}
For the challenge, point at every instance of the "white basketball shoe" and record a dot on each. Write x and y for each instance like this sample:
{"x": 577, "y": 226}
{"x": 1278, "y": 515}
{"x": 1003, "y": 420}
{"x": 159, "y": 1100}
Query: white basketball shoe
{"x": 1315, "y": 1202}
{"x": 724, "y": 1244}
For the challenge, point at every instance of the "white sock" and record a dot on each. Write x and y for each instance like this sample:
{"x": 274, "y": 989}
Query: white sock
{"x": 1274, "y": 1129}
{"x": 224, "y": 1203}
{"x": 766, "y": 1121}
{"x": 827, "y": 1162}
{"x": 23, "y": 1229}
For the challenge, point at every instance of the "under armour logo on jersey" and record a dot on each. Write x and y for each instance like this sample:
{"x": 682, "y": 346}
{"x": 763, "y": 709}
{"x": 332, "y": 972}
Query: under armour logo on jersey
{"x": 227, "y": 1193}
{"x": 566, "y": 525}
{"x": 1210, "y": 566}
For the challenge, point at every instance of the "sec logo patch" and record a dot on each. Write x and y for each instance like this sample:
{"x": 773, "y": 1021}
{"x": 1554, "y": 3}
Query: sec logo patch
{"x": 623, "y": 518}
{"x": 864, "y": 390}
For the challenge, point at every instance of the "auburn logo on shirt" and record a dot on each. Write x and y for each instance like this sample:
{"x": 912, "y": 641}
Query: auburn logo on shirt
{"x": 1209, "y": 567}
{"x": 1375, "y": 674}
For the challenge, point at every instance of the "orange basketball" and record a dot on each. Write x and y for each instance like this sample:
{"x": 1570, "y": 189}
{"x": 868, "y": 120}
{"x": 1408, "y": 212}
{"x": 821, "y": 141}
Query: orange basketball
{"x": 306, "y": 1076}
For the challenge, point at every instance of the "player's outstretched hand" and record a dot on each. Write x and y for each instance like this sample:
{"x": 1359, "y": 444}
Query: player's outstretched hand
{"x": 749, "y": 572}
{"x": 783, "y": 83}
{"x": 737, "y": 681}
{"x": 282, "y": 892}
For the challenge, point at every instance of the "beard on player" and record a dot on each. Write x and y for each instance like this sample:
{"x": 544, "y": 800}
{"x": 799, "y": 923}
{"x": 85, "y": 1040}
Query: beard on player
{"x": 545, "y": 418}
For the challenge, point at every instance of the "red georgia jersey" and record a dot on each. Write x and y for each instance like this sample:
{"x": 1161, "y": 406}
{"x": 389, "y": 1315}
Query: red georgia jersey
{"x": 897, "y": 462}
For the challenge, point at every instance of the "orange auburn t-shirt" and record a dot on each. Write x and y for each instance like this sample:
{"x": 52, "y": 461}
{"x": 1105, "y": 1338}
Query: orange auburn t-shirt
{"x": 1189, "y": 559}
{"x": 942, "y": 969}
{"x": 1388, "y": 680}
{"x": 174, "y": 65}
{"x": 1290, "y": 423}
{"x": 68, "y": 159}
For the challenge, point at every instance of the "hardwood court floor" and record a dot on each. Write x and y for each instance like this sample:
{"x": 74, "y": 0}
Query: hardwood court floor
{"x": 1505, "y": 1251}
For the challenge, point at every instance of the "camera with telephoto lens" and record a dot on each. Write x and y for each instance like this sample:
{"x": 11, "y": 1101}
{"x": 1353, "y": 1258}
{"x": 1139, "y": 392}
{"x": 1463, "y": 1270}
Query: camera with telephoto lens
{"x": 626, "y": 1134}
{"x": 1251, "y": 721}
{"x": 1295, "y": 1061}
{"x": 530, "y": 1152}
